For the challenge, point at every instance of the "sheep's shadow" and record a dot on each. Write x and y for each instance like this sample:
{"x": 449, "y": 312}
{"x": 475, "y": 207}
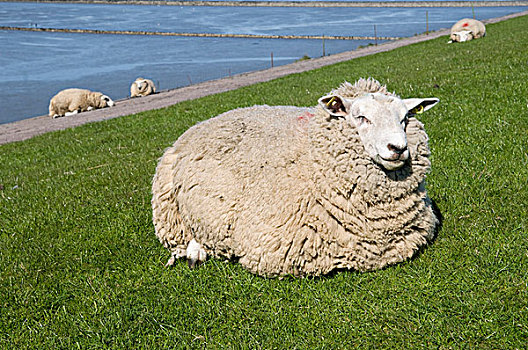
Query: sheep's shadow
{"x": 438, "y": 228}
{"x": 439, "y": 216}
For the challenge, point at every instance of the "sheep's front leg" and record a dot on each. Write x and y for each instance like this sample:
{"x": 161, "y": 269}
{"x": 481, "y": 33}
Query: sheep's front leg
{"x": 195, "y": 253}
{"x": 67, "y": 114}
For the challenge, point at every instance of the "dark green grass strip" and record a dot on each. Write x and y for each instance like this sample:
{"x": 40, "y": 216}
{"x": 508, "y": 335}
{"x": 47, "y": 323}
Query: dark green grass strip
{"x": 80, "y": 266}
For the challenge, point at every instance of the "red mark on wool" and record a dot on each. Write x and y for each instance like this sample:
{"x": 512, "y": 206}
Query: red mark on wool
{"x": 305, "y": 116}
{"x": 465, "y": 24}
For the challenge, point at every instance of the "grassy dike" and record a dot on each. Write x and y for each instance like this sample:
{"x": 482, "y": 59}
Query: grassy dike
{"x": 80, "y": 266}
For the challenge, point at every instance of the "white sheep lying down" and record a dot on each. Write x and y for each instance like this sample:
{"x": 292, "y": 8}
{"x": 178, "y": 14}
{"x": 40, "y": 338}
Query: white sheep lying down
{"x": 142, "y": 87}
{"x": 300, "y": 191}
{"x": 467, "y": 29}
{"x": 72, "y": 101}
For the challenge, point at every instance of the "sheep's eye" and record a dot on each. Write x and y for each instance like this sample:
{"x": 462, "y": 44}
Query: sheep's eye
{"x": 362, "y": 119}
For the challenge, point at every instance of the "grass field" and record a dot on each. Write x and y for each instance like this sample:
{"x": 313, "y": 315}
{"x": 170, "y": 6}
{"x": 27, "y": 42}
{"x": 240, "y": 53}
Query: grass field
{"x": 80, "y": 266}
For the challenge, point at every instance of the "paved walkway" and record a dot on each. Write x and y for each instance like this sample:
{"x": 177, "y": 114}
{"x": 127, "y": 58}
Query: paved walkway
{"x": 28, "y": 128}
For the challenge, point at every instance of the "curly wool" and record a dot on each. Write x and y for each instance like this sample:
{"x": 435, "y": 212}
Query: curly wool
{"x": 361, "y": 87}
{"x": 385, "y": 217}
{"x": 289, "y": 190}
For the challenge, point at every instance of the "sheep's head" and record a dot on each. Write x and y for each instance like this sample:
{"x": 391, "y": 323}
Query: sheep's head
{"x": 461, "y": 36}
{"x": 98, "y": 100}
{"x": 380, "y": 121}
{"x": 141, "y": 84}
{"x": 105, "y": 101}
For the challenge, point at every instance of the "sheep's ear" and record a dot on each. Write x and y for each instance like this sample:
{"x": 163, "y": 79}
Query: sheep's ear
{"x": 335, "y": 105}
{"x": 420, "y": 105}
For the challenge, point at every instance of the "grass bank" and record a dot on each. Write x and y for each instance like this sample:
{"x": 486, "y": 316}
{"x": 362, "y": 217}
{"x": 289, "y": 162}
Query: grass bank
{"x": 80, "y": 265}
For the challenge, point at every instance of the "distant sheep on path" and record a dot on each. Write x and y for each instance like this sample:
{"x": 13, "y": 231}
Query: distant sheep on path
{"x": 72, "y": 101}
{"x": 297, "y": 190}
{"x": 142, "y": 87}
{"x": 467, "y": 29}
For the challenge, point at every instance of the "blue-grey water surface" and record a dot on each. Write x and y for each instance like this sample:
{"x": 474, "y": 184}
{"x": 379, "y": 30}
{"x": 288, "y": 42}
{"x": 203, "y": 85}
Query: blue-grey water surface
{"x": 36, "y": 65}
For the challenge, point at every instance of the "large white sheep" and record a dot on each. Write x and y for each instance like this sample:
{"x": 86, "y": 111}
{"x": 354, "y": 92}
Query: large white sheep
{"x": 142, "y": 87}
{"x": 467, "y": 29}
{"x": 297, "y": 190}
{"x": 72, "y": 101}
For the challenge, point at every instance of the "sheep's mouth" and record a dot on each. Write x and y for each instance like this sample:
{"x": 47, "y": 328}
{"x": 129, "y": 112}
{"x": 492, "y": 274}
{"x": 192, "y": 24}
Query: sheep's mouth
{"x": 402, "y": 155}
{"x": 391, "y": 164}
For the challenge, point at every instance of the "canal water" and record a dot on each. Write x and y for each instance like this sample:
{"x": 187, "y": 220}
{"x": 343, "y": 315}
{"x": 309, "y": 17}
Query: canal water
{"x": 36, "y": 65}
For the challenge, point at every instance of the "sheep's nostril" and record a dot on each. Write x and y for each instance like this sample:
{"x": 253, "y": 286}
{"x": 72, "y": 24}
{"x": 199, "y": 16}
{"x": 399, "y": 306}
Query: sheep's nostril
{"x": 396, "y": 149}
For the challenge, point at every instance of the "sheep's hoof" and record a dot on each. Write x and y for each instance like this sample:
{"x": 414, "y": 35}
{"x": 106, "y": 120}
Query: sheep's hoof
{"x": 195, "y": 254}
{"x": 171, "y": 261}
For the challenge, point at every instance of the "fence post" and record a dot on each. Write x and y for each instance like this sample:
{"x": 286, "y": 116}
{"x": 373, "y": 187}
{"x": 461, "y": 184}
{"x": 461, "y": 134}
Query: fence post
{"x": 375, "y": 36}
{"x": 426, "y": 22}
{"x": 272, "y": 59}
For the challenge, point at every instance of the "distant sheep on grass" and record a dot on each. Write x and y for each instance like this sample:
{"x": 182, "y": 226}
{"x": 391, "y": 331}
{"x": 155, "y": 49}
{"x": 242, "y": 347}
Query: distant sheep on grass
{"x": 467, "y": 29}
{"x": 297, "y": 190}
{"x": 72, "y": 101}
{"x": 142, "y": 87}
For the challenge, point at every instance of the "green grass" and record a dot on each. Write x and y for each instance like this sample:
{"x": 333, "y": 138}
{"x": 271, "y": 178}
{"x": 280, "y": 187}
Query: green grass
{"x": 80, "y": 266}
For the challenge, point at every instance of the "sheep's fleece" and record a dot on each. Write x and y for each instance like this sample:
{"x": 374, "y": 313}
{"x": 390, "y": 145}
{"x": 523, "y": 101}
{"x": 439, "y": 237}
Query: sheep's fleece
{"x": 291, "y": 190}
{"x": 142, "y": 87}
{"x": 467, "y": 29}
{"x": 73, "y": 101}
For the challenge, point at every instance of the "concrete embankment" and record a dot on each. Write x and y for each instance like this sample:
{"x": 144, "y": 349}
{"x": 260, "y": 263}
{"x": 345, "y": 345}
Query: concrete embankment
{"x": 206, "y": 35}
{"x": 295, "y": 3}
